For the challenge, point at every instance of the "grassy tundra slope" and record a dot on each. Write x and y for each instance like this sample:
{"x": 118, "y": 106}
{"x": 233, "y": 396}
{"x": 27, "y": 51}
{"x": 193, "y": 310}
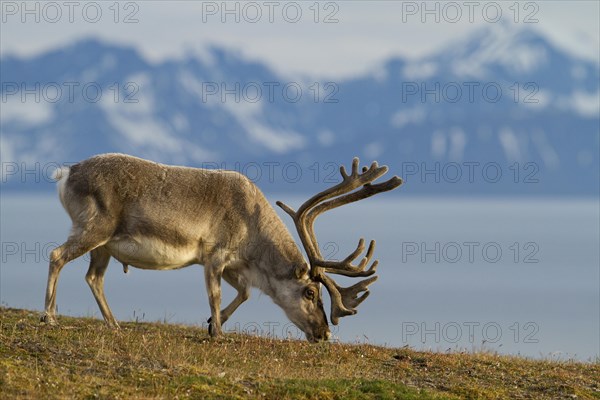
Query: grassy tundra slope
{"x": 83, "y": 359}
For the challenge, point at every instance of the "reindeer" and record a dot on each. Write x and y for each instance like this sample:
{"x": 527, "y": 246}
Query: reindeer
{"x": 160, "y": 217}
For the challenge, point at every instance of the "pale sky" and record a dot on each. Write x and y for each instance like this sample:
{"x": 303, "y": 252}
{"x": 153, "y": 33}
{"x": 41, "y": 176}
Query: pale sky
{"x": 359, "y": 35}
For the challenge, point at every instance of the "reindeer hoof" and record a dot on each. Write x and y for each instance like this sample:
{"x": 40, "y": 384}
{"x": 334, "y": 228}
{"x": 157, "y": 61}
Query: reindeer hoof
{"x": 49, "y": 320}
{"x": 113, "y": 326}
{"x": 214, "y": 330}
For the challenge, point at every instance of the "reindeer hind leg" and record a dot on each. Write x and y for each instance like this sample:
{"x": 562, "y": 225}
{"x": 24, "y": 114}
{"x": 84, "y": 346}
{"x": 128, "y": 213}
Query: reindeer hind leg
{"x": 100, "y": 258}
{"x": 73, "y": 248}
{"x": 93, "y": 230}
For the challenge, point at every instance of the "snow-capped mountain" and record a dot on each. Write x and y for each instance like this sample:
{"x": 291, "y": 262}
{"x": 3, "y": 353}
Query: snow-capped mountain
{"x": 503, "y": 111}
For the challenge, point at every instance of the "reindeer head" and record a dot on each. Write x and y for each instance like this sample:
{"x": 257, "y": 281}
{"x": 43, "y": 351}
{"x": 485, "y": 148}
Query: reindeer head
{"x": 343, "y": 300}
{"x": 300, "y": 298}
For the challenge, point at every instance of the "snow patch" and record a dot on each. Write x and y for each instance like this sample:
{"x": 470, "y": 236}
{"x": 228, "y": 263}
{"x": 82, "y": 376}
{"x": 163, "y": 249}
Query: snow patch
{"x": 27, "y": 113}
{"x": 510, "y": 145}
{"x": 539, "y": 101}
{"x": 380, "y": 73}
{"x": 7, "y": 154}
{"x": 43, "y": 149}
{"x": 458, "y": 141}
{"x": 420, "y": 70}
{"x": 438, "y": 144}
{"x": 137, "y": 123}
{"x": 547, "y": 152}
{"x": 249, "y": 116}
{"x": 409, "y": 116}
{"x": 586, "y": 104}
{"x": 279, "y": 141}
{"x": 146, "y": 100}
{"x": 451, "y": 144}
{"x": 505, "y": 46}
{"x": 108, "y": 62}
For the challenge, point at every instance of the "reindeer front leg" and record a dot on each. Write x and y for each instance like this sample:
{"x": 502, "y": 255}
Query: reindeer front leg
{"x": 212, "y": 277}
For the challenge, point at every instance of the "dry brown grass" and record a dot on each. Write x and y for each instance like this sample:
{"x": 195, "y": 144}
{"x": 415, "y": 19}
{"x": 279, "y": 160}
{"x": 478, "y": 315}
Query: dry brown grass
{"x": 83, "y": 359}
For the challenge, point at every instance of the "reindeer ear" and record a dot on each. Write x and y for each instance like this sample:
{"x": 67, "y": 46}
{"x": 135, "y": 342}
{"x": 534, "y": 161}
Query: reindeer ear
{"x": 300, "y": 270}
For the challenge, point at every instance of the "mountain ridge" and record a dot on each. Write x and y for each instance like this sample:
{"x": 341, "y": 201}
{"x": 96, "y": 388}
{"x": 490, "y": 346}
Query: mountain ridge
{"x": 502, "y": 102}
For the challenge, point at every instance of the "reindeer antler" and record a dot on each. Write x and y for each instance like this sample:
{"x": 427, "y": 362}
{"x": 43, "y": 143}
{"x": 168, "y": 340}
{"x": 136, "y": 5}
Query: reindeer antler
{"x": 343, "y": 300}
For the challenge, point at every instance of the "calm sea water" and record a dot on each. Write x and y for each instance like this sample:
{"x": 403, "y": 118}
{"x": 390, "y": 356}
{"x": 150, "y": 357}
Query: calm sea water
{"x": 513, "y": 276}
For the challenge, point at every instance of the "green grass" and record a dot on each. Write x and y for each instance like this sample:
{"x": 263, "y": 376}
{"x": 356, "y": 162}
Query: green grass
{"x": 84, "y": 359}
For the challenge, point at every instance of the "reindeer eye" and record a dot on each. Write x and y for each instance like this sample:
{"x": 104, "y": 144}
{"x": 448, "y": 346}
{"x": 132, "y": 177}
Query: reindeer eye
{"x": 310, "y": 294}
